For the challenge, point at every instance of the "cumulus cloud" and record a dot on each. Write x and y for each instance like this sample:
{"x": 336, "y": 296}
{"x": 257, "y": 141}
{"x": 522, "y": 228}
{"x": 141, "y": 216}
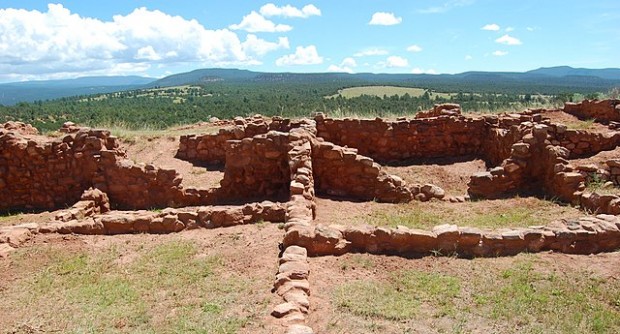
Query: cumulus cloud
{"x": 396, "y": 61}
{"x": 468, "y": 57}
{"x": 499, "y": 53}
{"x": 371, "y": 52}
{"x": 303, "y": 56}
{"x": 384, "y": 19}
{"x": 414, "y": 48}
{"x": 254, "y": 22}
{"x": 58, "y": 43}
{"x": 491, "y": 27}
{"x": 509, "y": 29}
{"x": 289, "y": 11}
{"x": 508, "y": 40}
{"x": 417, "y": 70}
{"x": 346, "y": 65}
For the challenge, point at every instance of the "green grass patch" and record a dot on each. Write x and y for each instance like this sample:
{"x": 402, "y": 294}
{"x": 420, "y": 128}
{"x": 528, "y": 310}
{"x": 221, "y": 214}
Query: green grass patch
{"x": 398, "y": 298}
{"x": 539, "y": 302}
{"x": 517, "y": 212}
{"x": 580, "y": 125}
{"x": 169, "y": 288}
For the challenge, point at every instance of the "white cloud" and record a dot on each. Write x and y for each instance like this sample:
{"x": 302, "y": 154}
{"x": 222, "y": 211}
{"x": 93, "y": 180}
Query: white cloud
{"x": 508, "y": 40}
{"x": 371, "y": 52}
{"x": 530, "y": 28}
{"x": 491, "y": 27}
{"x": 509, "y": 29}
{"x": 468, "y": 57}
{"x": 254, "y": 22}
{"x": 350, "y": 62}
{"x": 57, "y": 43}
{"x": 418, "y": 70}
{"x": 302, "y": 56}
{"x": 384, "y": 19}
{"x": 290, "y": 11}
{"x": 346, "y": 65}
{"x": 396, "y": 61}
{"x": 414, "y": 48}
{"x": 260, "y": 47}
{"x": 499, "y": 53}
{"x": 446, "y": 6}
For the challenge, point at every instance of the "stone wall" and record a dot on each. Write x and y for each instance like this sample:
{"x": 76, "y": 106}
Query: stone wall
{"x": 398, "y": 141}
{"x": 257, "y": 168}
{"x": 47, "y": 174}
{"x": 170, "y": 220}
{"x": 586, "y": 235}
{"x": 340, "y": 171}
{"x": 602, "y": 111}
{"x": 211, "y": 148}
{"x": 37, "y": 173}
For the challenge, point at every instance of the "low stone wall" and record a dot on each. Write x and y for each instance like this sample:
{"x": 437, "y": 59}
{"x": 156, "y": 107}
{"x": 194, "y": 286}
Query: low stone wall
{"x": 602, "y": 111}
{"x": 170, "y": 220}
{"x": 292, "y": 285}
{"x": 586, "y": 235}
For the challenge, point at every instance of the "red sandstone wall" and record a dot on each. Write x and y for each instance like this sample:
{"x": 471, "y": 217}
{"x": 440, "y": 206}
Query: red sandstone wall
{"x": 39, "y": 173}
{"x": 257, "y": 168}
{"x": 394, "y": 141}
{"x": 604, "y": 111}
{"x": 211, "y": 148}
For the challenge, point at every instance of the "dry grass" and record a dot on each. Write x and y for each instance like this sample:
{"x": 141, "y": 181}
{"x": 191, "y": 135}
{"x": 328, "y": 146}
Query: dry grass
{"x": 477, "y": 296}
{"x": 164, "y": 288}
{"x": 381, "y": 91}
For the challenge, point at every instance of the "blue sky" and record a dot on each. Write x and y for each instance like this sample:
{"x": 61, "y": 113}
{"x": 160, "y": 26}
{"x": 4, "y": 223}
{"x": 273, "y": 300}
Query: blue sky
{"x": 66, "y": 39}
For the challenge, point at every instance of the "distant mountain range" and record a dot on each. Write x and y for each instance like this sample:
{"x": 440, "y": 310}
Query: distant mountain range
{"x": 548, "y": 80}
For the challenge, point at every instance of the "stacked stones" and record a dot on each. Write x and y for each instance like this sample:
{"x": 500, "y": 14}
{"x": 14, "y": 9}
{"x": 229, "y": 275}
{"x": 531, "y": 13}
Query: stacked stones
{"x": 602, "y": 111}
{"x": 170, "y": 220}
{"x": 445, "y": 109}
{"x": 292, "y": 285}
{"x": 46, "y": 174}
{"x": 340, "y": 171}
{"x": 211, "y": 148}
{"x": 402, "y": 140}
{"x": 19, "y": 127}
{"x": 257, "y": 168}
{"x": 585, "y": 235}
{"x": 93, "y": 201}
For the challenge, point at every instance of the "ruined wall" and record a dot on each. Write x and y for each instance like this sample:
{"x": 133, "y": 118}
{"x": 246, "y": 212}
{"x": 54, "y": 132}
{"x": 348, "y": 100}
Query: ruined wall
{"x": 38, "y": 173}
{"x": 257, "y": 168}
{"x": 397, "y": 141}
{"x": 341, "y": 172}
{"x": 211, "y": 148}
{"x": 42, "y": 173}
{"x": 602, "y": 111}
{"x": 584, "y": 235}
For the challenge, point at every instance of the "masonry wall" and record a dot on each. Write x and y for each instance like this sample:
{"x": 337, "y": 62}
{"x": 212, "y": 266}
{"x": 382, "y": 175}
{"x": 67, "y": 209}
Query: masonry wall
{"x": 396, "y": 141}
{"x": 257, "y": 168}
{"x": 603, "y": 111}
{"x": 211, "y": 148}
{"x": 36, "y": 173}
{"x": 41, "y": 174}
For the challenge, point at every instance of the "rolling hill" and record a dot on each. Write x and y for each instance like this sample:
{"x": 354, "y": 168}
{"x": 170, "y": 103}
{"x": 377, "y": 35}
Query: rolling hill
{"x": 550, "y": 80}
